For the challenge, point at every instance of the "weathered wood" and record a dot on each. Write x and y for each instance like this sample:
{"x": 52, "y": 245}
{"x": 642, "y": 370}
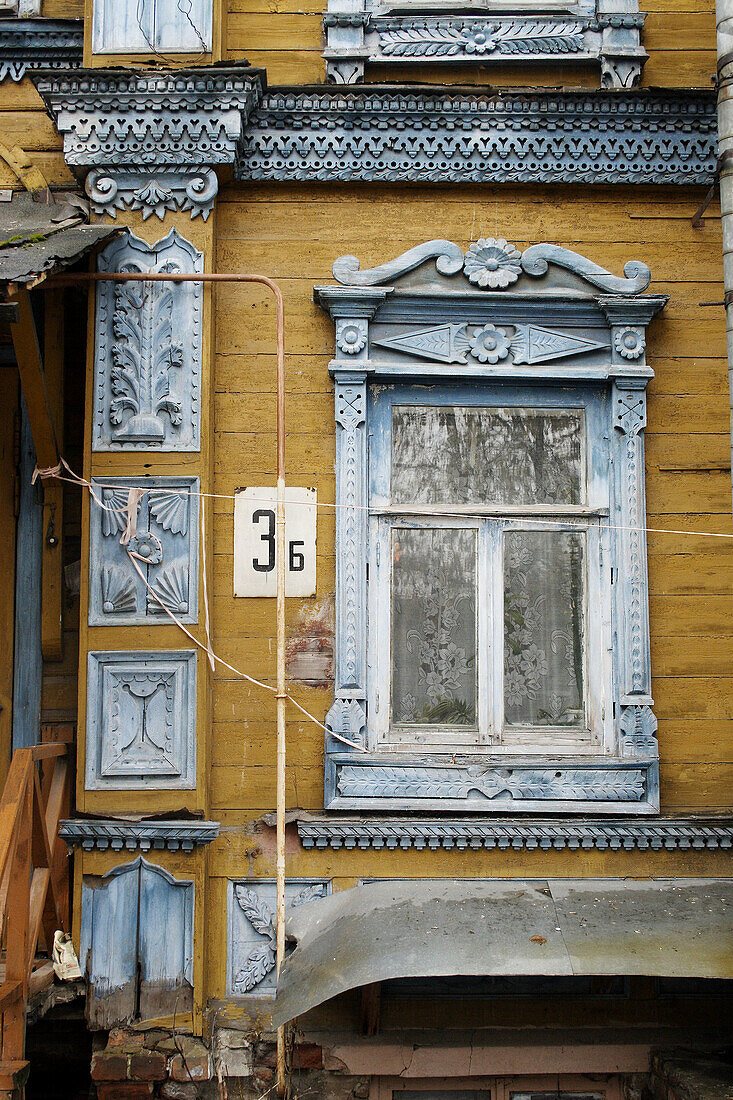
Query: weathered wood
{"x": 370, "y": 1008}
{"x": 33, "y": 381}
{"x": 8, "y": 486}
{"x": 27, "y": 645}
{"x": 52, "y": 638}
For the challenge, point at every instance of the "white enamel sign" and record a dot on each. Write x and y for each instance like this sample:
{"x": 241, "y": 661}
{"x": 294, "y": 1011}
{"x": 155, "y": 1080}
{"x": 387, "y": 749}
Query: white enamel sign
{"x": 255, "y": 537}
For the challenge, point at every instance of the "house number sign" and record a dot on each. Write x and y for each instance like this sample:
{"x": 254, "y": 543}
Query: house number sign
{"x": 255, "y": 542}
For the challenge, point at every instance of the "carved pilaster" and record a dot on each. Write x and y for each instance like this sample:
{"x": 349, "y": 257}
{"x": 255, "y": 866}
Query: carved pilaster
{"x": 348, "y": 714}
{"x": 636, "y": 722}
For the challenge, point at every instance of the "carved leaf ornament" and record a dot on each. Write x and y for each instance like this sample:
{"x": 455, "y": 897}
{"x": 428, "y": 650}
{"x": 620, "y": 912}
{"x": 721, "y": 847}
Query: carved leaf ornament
{"x": 445, "y": 40}
{"x": 494, "y": 265}
{"x": 261, "y": 959}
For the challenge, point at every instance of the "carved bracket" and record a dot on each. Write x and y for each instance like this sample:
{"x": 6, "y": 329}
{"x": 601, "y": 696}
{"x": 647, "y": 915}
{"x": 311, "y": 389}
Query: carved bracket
{"x": 151, "y": 141}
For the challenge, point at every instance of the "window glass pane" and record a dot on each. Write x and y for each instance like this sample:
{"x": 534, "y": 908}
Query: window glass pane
{"x": 543, "y": 628}
{"x": 457, "y": 455}
{"x": 434, "y": 627}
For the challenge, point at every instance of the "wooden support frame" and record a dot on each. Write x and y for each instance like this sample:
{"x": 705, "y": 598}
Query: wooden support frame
{"x": 32, "y": 892}
{"x": 33, "y": 380}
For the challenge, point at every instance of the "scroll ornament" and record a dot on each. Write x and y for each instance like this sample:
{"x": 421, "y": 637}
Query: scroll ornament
{"x": 493, "y": 264}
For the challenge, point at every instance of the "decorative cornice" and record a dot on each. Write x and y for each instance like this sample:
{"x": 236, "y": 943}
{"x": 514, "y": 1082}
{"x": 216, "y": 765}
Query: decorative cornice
{"x": 530, "y": 833}
{"x": 151, "y": 139}
{"x": 116, "y": 835}
{"x": 27, "y": 44}
{"x": 577, "y": 137}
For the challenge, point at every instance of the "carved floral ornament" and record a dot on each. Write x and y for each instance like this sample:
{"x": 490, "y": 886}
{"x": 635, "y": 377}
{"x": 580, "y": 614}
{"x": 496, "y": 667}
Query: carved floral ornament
{"x": 494, "y": 265}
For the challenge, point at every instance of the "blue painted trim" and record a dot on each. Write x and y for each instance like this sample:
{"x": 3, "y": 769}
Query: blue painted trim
{"x": 602, "y": 138}
{"x": 114, "y": 834}
{"x": 27, "y": 658}
{"x": 29, "y": 44}
{"x": 422, "y": 834}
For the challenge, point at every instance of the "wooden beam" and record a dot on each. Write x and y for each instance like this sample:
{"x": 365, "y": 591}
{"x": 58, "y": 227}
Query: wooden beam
{"x": 33, "y": 381}
{"x": 9, "y": 429}
{"x": 370, "y": 1009}
{"x": 52, "y": 567}
{"x": 9, "y": 312}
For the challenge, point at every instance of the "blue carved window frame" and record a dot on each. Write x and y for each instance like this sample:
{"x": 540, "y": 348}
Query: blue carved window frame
{"x": 602, "y": 369}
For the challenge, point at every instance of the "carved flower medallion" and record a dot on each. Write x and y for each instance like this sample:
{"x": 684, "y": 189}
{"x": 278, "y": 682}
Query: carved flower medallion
{"x": 629, "y": 342}
{"x": 351, "y": 338}
{"x": 489, "y": 344}
{"x": 492, "y": 263}
{"x": 477, "y": 39}
{"x": 148, "y": 547}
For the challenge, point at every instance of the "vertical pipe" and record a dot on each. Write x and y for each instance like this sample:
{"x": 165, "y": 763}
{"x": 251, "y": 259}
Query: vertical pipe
{"x": 724, "y": 18}
{"x": 280, "y": 615}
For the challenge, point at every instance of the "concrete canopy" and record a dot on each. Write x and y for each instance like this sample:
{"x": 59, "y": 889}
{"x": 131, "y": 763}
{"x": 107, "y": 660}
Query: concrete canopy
{"x": 472, "y": 927}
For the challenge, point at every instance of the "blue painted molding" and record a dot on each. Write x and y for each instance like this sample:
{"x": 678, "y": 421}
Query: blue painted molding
{"x": 166, "y": 544}
{"x": 148, "y": 349}
{"x": 28, "y": 44}
{"x": 553, "y": 137}
{"x": 151, "y": 141}
{"x": 685, "y": 834}
{"x": 116, "y": 835}
{"x": 251, "y": 938}
{"x": 141, "y": 720}
{"x": 479, "y": 325}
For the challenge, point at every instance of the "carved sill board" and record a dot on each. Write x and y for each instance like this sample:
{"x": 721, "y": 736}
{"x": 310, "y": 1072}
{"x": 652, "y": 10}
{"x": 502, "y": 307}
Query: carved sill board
{"x": 465, "y": 832}
{"x": 115, "y": 835}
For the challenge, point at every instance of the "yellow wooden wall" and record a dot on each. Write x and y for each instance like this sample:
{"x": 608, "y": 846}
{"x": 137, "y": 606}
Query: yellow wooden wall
{"x": 285, "y": 37}
{"x": 293, "y": 233}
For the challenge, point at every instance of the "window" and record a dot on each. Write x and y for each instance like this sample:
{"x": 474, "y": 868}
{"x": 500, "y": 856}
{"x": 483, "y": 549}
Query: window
{"x": 487, "y": 553}
{"x": 492, "y": 645}
{"x": 464, "y": 32}
{"x": 150, "y": 26}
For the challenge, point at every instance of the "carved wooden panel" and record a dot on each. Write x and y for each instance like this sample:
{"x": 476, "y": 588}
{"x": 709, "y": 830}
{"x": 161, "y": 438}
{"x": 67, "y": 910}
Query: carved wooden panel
{"x": 141, "y": 715}
{"x": 136, "y": 943}
{"x": 166, "y": 547}
{"x": 147, "y": 379}
{"x": 251, "y": 920}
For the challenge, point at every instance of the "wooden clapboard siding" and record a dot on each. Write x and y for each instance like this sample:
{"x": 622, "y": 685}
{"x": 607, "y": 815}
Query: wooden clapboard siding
{"x": 24, "y": 122}
{"x": 286, "y": 38}
{"x": 294, "y": 233}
